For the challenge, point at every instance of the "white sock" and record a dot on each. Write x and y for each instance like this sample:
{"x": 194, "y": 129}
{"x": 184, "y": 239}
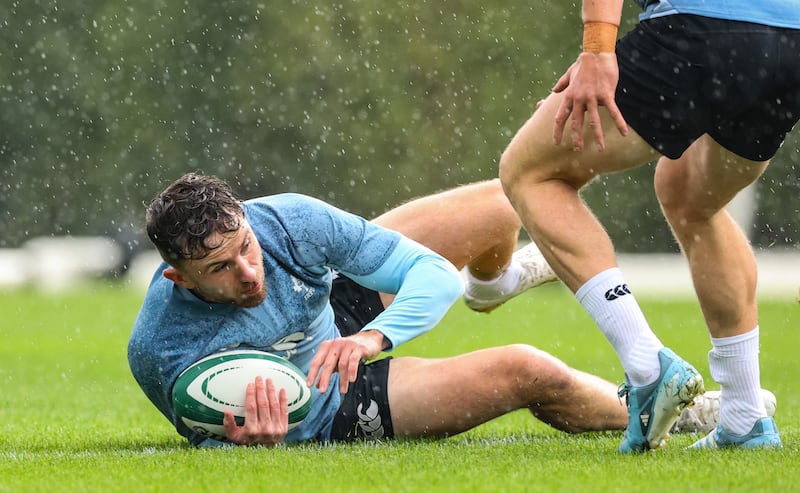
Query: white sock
{"x": 733, "y": 362}
{"x": 614, "y": 309}
{"x": 505, "y": 283}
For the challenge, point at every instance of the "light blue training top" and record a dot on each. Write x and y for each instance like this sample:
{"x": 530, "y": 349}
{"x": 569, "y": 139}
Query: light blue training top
{"x": 777, "y": 13}
{"x": 304, "y": 242}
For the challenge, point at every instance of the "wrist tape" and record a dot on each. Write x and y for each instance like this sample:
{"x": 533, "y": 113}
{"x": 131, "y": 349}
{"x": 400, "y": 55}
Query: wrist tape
{"x": 599, "y": 37}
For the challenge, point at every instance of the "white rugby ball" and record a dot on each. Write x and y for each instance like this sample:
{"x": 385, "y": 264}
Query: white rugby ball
{"x": 219, "y": 382}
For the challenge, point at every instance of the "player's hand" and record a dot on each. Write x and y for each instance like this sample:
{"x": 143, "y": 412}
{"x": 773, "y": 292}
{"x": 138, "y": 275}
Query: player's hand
{"x": 266, "y": 416}
{"x": 343, "y": 355}
{"x": 588, "y": 84}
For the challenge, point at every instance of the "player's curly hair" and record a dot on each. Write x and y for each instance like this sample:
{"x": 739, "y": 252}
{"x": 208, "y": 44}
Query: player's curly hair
{"x": 181, "y": 218}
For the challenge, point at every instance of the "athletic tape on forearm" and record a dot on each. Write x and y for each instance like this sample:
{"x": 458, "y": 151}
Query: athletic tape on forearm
{"x": 599, "y": 37}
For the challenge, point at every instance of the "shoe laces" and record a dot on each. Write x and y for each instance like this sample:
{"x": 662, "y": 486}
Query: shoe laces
{"x": 624, "y": 390}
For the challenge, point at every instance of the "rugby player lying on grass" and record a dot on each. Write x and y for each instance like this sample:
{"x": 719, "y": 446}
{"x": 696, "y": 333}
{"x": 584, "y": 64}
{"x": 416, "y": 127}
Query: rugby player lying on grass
{"x": 330, "y": 291}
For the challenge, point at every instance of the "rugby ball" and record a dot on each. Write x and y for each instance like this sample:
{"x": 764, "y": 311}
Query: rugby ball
{"x": 219, "y": 382}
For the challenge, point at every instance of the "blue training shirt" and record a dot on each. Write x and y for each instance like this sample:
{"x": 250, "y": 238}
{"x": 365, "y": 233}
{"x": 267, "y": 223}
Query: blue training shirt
{"x": 777, "y": 13}
{"x": 304, "y": 242}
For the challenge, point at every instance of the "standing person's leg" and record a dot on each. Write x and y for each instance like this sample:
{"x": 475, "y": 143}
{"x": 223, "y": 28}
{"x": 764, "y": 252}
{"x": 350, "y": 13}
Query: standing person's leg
{"x": 543, "y": 182}
{"x": 693, "y": 191}
{"x": 475, "y": 227}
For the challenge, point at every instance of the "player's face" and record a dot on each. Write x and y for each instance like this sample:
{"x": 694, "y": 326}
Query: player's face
{"x": 232, "y": 273}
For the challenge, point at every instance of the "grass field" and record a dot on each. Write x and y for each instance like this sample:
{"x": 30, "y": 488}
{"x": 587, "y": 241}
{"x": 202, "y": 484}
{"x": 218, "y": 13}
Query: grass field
{"x": 74, "y": 420}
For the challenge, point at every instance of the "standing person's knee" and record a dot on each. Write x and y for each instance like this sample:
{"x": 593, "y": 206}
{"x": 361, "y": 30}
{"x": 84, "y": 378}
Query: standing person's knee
{"x": 519, "y": 168}
{"x": 672, "y": 184}
{"x": 518, "y": 178}
{"x": 667, "y": 185}
{"x": 509, "y": 172}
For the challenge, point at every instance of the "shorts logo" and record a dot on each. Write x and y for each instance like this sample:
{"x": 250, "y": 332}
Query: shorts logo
{"x": 617, "y": 292}
{"x": 369, "y": 420}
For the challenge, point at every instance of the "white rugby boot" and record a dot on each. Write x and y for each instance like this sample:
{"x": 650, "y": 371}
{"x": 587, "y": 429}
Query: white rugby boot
{"x": 528, "y": 269}
{"x": 703, "y": 416}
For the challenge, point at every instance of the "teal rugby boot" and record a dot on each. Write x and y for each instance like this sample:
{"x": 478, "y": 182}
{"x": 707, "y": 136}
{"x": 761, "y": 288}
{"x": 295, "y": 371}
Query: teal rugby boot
{"x": 654, "y": 408}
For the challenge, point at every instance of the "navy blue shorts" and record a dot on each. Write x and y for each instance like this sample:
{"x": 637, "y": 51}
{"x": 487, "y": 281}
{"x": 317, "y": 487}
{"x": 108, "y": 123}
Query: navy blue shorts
{"x": 354, "y": 306}
{"x": 682, "y": 76}
{"x": 364, "y": 412}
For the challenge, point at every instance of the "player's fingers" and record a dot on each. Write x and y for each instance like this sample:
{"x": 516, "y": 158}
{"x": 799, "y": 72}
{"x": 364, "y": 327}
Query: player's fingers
{"x": 239, "y": 434}
{"x": 344, "y": 370}
{"x": 229, "y": 422}
{"x": 595, "y": 124}
{"x": 348, "y": 369}
{"x": 562, "y": 115}
{"x": 356, "y": 357}
{"x": 563, "y": 81}
{"x": 250, "y": 404}
{"x": 319, "y": 361}
{"x": 262, "y": 402}
{"x": 576, "y": 127}
{"x": 316, "y": 362}
{"x": 273, "y": 400}
{"x": 616, "y": 115}
{"x": 346, "y": 359}
{"x": 329, "y": 366}
{"x": 283, "y": 407}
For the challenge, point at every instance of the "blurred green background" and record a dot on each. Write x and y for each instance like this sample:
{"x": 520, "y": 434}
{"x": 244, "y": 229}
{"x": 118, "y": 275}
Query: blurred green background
{"x": 360, "y": 102}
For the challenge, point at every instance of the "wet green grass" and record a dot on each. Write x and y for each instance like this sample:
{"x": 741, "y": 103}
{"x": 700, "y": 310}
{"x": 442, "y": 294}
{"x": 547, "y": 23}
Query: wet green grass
{"x": 74, "y": 420}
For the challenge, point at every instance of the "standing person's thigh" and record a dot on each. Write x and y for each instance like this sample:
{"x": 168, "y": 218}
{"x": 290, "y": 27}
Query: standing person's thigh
{"x": 441, "y": 397}
{"x": 704, "y": 179}
{"x": 536, "y": 157}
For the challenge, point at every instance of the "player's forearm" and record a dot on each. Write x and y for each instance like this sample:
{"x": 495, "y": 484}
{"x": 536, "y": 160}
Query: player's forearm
{"x": 425, "y": 284}
{"x": 609, "y": 11}
{"x": 601, "y": 20}
{"x": 428, "y": 291}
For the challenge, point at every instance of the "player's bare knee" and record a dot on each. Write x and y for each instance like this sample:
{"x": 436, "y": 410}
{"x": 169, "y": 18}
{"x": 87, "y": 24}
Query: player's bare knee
{"x": 508, "y": 172}
{"x": 670, "y": 188}
{"x": 684, "y": 202}
{"x": 536, "y": 371}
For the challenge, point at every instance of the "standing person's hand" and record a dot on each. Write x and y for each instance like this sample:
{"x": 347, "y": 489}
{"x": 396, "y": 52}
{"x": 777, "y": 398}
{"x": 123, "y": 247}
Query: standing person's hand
{"x": 588, "y": 84}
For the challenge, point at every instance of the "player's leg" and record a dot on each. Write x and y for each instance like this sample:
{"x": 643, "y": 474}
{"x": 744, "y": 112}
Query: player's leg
{"x": 442, "y": 397}
{"x": 543, "y": 181}
{"x": 475, "y": 227}
{"x": 693, "y": 192}
{"x": 472, "y": 224}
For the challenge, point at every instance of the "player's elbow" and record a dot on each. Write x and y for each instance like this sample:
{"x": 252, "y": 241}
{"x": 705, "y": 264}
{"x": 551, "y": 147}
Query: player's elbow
{"x": 452, "y": 285}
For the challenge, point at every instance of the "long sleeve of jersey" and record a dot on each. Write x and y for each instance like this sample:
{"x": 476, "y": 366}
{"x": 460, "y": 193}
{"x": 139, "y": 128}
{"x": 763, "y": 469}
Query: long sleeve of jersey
{"x": 426, "y": 286}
